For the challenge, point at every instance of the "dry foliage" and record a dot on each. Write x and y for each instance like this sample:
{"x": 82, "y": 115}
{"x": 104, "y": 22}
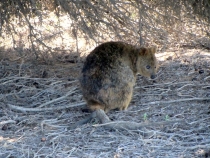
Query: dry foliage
{"x": 172, "y": 113}
{"x": 43, "y": 29}
{"x": 40, "y": 102}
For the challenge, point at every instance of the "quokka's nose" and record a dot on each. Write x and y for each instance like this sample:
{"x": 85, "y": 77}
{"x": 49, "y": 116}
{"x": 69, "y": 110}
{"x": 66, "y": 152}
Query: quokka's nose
{"x": 153, "y": 76}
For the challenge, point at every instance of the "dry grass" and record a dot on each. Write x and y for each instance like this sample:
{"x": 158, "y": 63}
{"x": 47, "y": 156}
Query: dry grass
{"x": 52, "y": 29}
{"x": 40, "y": 101}
{"x": 37, "y": 111}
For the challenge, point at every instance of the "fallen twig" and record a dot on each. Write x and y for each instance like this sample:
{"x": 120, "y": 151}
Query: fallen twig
{"x": 175, "y": 101}
{"x": 7, "y": 122}
{"x": 127, "y": 124}
{"x": 57, "y": 99}
{"x": 22, "y": 109}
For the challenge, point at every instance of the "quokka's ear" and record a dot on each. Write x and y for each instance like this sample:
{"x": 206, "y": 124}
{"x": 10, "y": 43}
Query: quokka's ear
{"x": 153, "y": 49}
{"x": 143, "y": 51}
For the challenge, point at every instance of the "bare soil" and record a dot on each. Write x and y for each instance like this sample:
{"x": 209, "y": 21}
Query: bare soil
{"x": 39, "y": 103}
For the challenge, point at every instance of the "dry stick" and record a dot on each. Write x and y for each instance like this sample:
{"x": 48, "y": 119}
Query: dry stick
{"x": 134, "y": 125}
{"x": 206, "y": 146}
{"x": 175, "y": 101}
{"x": 49, "y": 123}
{"x": 185, "y": 86}
{"x": 206, "y": 78}
{"x": 100, "y": 114}
{"x": 22, "y": 109}
{"x": 7, "y": 122}
{"x": 20, "y": 67}
{"x": 57, "y": 99}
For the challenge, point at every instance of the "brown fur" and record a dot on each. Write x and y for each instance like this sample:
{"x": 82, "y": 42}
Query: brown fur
{"x": 109, "y": 74}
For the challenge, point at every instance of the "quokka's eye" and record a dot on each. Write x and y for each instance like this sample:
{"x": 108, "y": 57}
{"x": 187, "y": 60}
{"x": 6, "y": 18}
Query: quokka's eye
{"x": 148, "y": 67}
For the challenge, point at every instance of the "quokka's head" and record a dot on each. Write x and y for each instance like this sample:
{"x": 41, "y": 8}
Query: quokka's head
{"x": 147, "y": 64}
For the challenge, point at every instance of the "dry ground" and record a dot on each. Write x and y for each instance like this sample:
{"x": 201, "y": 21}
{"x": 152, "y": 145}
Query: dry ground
{"x": 38, "y": 104}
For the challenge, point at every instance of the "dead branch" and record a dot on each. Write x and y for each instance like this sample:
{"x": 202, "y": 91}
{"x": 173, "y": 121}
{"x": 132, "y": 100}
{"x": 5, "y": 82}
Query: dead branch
{"x": 22, "y": 109}
{"x": 57, "y": 99}
{"x": 137, "y": 22}
{"x": 129, "y": 125}
{"x": 7, "y": 122}
{"x": 125, "y": 125}
{"x": 176, "y": 101}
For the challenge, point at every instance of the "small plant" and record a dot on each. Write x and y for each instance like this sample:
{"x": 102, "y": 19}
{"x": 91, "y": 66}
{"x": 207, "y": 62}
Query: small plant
{"x": 145, "y": 116}
{"x": 167, "y": 118}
